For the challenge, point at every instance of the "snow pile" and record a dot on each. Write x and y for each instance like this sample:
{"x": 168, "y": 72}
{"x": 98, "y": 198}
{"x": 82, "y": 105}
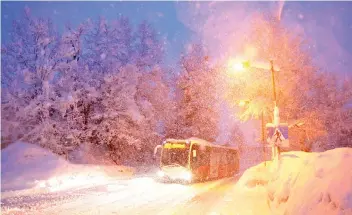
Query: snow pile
{"x": 27, "y": 168}
{"x": 302, "y": 183}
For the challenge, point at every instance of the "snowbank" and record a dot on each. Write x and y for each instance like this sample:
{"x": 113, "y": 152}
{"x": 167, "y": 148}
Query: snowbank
{"x": 27, "y": 168}
{"x": 302, "y": 183}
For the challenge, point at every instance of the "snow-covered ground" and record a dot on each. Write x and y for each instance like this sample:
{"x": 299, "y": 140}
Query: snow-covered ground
{"x": 29, "y": 169}
{"x": 35, "y": 181}
{"x": 301, "y": 183}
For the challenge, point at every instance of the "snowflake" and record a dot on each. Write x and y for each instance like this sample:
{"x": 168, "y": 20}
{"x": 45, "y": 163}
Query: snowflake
{"x": 300, "y": 16}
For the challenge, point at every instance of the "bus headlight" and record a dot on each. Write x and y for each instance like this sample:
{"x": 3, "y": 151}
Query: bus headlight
{"x": 160, "y": 173}
{"x": 187, "y": 176}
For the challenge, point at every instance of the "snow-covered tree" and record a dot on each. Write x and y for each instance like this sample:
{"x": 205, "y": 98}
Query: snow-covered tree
{"x": 333, "y": 98}
{"x": 122, "y": 40}
{"x": 71, "y": 43}
{"x": 302, "y": 91}
{"x": 108, "y": 45}
{"x": 157, "y": 106}
{"x": 97, "y": 47}
{"x": 237, "y": 137}
{"x": 49, "y": 87}
{"x": 133, "y": 104}
{"x": 94, "y": 84}
{"x": 148, "y": 47}
{"x": 119, "y": 114}
{"x": 33, "y": 53}
{"x": 197, "y": 97}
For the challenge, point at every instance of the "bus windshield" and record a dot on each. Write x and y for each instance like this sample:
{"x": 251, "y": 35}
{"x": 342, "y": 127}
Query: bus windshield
{"x": 174, "y": 156}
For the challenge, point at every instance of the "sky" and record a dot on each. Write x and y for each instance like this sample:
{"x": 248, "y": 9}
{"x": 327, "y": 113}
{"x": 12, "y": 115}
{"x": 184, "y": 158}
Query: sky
{"x": 327, "y": 26}
{"x": 162, "y": 15}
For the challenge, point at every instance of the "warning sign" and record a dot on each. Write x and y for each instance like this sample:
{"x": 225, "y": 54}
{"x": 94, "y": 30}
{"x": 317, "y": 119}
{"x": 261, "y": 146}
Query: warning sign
{"x": 279, "y": 135}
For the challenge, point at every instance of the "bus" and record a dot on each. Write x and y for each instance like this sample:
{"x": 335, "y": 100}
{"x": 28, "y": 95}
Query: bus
{"x": 194, "y": 159}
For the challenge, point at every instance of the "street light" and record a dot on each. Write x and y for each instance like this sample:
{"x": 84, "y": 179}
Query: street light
{"x": 240, "y": 66}
{"x": 243, "y": 102}
{"x": 259, "y": 65}
{"x": 235, "y": 65}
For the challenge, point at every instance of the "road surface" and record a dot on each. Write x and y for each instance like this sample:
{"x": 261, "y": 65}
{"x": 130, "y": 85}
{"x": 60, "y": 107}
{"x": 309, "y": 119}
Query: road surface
{"x": 135, "y": 196}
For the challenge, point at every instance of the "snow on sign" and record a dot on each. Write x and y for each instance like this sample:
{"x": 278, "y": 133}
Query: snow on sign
{"x": 279, "y": 136}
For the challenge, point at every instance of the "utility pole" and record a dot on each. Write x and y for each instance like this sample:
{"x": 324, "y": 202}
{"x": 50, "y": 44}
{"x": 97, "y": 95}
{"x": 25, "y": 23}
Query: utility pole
{"x": 273, "y": 79}
{"x": 263, "y": 137}
{"x": 276, "y": 117}
{"x": 275, "y": 147}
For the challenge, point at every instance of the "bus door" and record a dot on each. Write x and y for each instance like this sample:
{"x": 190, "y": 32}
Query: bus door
{"x": 237, "y": 161}
{"x": 231, "y": 162}
{"x": 200, "y": 161}
{"x": 223, "y": 163}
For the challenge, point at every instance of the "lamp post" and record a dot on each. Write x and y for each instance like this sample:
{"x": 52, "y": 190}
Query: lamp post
{"x": 276, "y": 115}
{"x": 273, "y": 79}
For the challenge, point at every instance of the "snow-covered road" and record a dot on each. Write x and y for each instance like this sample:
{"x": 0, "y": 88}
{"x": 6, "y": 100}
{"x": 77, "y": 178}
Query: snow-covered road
{"x": 266, "y": 188}
{"x": 35, "y": 181}
{"x": 135, "y": 196}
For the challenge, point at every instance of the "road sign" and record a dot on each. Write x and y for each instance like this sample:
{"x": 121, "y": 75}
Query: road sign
{"x": 279, "y": 135}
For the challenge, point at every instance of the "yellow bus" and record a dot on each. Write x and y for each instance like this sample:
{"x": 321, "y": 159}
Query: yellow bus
{"x": 194, "y": 159}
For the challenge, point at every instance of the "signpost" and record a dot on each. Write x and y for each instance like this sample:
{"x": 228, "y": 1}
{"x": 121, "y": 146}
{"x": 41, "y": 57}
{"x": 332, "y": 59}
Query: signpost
{"x": 278, "y": 137}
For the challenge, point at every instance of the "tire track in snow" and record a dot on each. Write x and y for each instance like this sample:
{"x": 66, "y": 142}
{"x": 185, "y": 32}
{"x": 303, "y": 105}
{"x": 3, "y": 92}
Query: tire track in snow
{"x": 88, "y": 198}
{"x": 206, "y": 202}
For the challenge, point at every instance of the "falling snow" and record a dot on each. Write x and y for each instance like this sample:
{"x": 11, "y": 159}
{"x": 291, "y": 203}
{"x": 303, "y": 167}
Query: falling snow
{"x": 85, "y": 104}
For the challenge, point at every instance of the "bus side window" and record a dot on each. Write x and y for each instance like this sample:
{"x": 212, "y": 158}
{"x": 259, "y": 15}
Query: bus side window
{"x": 231, "y": 157}
{"x": 195, "y": 155}
{"x": 206, "y": 156}
{"x": 234, "y": 157}
{"x": 223, "y": 156}
{"x": 200, "y": 156}
{"x": 228, "y": 157}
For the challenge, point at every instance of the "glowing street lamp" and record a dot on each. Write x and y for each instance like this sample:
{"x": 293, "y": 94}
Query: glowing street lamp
{"x": 241, "y": 66}
{"x": 235, "y": 65}
{"x": 243, "y": 103}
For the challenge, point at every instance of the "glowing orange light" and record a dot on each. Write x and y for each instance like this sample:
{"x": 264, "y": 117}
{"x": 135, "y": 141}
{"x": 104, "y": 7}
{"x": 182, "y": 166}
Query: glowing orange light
{"x": 242, "y": 103}
{"x": 237, "y": 65}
